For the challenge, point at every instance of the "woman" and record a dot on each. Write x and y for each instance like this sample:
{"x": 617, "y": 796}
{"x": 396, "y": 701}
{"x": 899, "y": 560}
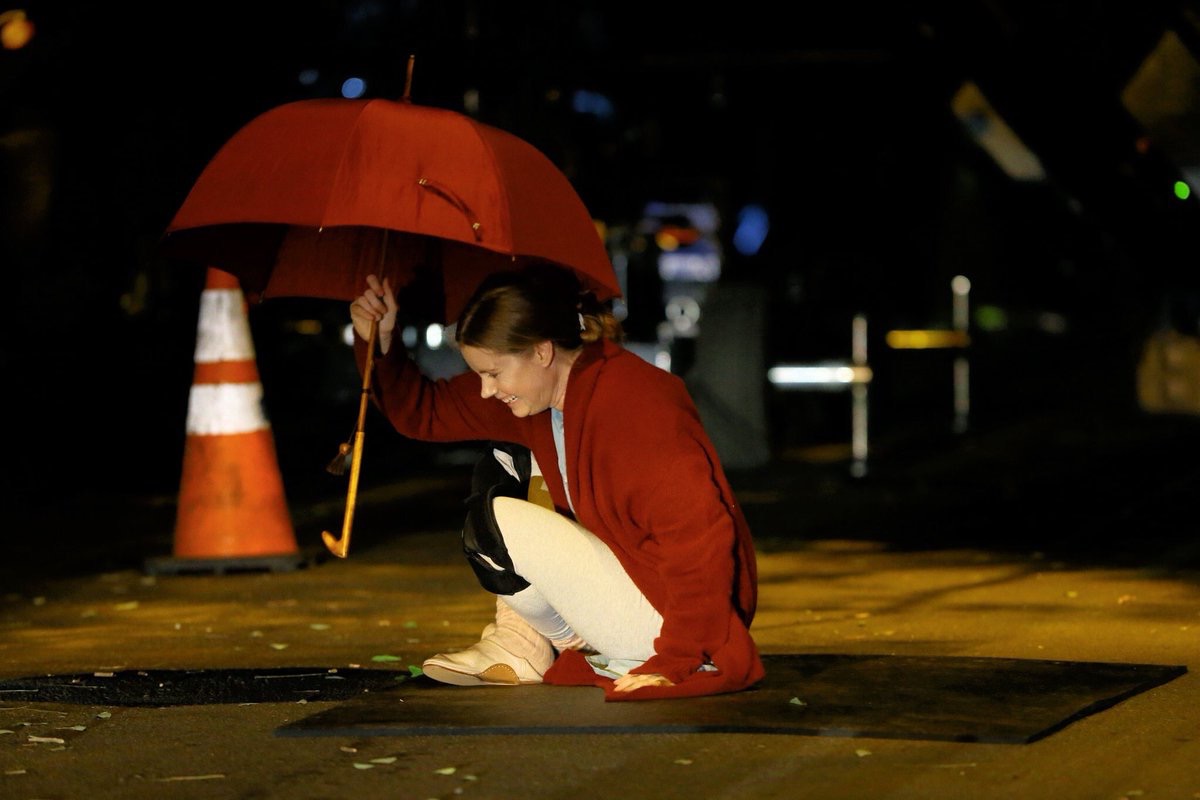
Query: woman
{"x": 642, "y": 580}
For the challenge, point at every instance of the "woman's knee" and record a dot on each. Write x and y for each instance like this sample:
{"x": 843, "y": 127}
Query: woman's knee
{"x": 517, "y": 522}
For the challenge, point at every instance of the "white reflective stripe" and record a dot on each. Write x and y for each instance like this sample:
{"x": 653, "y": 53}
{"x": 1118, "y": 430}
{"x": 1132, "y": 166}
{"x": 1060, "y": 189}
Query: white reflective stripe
{"x": 225, "y": 408}
{"x": 223, "y": 332}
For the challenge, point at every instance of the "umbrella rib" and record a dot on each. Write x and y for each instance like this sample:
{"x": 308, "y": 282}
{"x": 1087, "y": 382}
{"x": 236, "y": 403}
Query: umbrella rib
{"x": 457, "y": 202}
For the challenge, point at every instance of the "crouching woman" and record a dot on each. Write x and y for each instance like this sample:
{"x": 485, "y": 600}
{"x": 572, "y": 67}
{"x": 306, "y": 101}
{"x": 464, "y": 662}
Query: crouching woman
{"x": 642, "y": 577}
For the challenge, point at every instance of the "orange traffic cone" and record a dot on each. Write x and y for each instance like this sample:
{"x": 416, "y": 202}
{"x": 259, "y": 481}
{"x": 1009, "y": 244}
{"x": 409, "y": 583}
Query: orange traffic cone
{"x": 232, "y": 513}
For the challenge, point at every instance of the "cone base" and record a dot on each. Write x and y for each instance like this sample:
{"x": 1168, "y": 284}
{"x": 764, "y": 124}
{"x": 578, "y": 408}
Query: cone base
{"x": 284, "y": 562}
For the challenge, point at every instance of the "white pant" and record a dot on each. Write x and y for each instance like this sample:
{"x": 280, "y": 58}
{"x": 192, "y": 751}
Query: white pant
{"x": 577, "y": 586}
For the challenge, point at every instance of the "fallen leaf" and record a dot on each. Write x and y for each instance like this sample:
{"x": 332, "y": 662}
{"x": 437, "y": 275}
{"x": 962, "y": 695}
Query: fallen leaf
{"x": 860, "y": 753}
{"x": 129, "y": 606}
{"x": 47, "y": 739}
{"x": 384, "y": 657}
{"x": 683, "y": 761}
{"x": 346, "y": 749}
{"x": 384, "y": 760}
{"x": 415, "y": 671}
{"x": 320, "y": 626}
{"x": 14, "y": 772}
{"x": 796, "y": 701}
{"x": 361, "y": 765}
{"x": 104, "y": 715}
{"x": 278, "y": 646}
{"x": 446, "y": 770}
{"x": 73, "y": 728}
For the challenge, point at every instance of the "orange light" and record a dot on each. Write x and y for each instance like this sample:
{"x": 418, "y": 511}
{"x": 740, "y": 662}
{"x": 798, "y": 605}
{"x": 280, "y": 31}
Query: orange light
{"x": 15, "y": 30}
{"x": 926, "y": 339}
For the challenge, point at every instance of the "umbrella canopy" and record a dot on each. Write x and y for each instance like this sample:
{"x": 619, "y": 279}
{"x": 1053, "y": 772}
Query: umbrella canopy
{"x": 310, "y": 197}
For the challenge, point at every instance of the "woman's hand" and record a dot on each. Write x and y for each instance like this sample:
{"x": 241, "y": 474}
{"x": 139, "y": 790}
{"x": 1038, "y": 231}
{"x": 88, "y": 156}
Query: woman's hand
{"x": 376, "y": 304}
{"x": 629, "y": 681}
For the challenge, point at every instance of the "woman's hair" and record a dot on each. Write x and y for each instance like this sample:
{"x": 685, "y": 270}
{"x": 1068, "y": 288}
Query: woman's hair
{"x": 512, "y": 311}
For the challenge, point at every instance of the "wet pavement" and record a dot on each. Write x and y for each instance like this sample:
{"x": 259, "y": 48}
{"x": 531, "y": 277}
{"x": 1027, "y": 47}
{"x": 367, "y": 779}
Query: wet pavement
{"x": 1066, "y": 536}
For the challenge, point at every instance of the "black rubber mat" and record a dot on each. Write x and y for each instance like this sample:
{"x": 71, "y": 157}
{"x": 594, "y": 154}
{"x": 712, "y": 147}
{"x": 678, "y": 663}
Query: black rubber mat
{"x": 201, "y": 687}
{"x": 996, "y": 700}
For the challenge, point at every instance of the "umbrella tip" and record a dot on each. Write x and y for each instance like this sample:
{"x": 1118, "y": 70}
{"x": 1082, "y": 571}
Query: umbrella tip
{"x": 408, "y": 80}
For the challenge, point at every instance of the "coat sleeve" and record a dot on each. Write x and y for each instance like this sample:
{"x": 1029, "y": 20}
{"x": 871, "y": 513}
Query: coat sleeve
{"x": 443, "y": 410}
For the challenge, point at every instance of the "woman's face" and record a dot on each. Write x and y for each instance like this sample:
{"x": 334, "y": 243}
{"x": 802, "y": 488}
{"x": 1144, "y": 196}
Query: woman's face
{"x": 522, "y": 381}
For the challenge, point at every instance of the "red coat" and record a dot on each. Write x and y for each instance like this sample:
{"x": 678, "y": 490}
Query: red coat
{"x": 645, "y": 479}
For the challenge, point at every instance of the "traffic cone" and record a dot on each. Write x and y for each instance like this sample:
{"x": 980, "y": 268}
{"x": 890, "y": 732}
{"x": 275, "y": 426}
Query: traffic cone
{"x": 232, "y": 512}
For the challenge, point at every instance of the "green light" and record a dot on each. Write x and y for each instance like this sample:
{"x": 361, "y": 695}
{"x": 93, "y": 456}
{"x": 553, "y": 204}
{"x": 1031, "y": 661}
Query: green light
{"x": 1182, "y": 190}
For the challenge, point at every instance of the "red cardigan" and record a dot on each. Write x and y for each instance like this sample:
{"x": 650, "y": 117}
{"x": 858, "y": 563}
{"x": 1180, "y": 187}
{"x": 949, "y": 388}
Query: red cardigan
{"x": 645, "y": 479}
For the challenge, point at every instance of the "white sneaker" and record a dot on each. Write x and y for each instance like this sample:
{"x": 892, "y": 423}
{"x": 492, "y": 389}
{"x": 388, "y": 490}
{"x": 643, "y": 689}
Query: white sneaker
{"x": 509, "y": 653}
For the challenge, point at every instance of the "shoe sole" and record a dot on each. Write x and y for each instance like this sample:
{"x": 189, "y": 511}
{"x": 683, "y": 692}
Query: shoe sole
{"x": 495, "y": 675}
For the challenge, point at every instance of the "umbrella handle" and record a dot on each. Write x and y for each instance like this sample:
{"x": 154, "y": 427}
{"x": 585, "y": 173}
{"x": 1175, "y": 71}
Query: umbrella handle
{"x": 340, "y": 547}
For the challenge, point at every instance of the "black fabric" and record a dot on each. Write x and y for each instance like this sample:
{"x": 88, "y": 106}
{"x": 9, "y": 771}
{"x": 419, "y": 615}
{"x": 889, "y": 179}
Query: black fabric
{"x": 996, "y": 700}
{"x": 481, "y": 534}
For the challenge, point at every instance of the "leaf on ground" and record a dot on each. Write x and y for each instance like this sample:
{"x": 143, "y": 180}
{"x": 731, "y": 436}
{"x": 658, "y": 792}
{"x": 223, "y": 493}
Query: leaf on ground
{"x": 361, "y": 765}
{"x": 278, "y": 646}
{"x": 796, "y": 701}
{"x": 861, "y": 752}
{"x": 320, "y": 626}
{"x": 384, "y": 657}
{"x": 446, "y": 770}
{"x": 47, "y": 739}
{"x": 384, "y": 760}
{"x": 129, "y": 606}
{"x": 415, "y": 671}
{"x": 683, "y": 761}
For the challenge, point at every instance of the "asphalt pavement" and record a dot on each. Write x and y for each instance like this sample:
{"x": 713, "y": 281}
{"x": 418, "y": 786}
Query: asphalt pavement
{"x": 1063, "y": 536}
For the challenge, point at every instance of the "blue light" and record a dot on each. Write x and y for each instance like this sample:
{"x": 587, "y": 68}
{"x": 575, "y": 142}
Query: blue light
{"x": 752, "y": 227}
{"x": 353, "y": 88}
{"x": 594, "y": 103}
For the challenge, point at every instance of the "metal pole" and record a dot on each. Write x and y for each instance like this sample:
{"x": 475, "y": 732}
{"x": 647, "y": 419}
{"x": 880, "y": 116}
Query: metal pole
{"x": 960, "y": 288}
{"x": 858, "y": 398}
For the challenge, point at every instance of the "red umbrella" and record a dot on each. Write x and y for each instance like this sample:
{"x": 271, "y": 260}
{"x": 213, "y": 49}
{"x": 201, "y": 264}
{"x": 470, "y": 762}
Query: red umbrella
{"x": 310, "y": 197}
{"x": 297, "y": 203}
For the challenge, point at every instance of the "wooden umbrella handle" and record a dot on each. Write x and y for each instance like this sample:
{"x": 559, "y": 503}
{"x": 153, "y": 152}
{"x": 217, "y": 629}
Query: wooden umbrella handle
{"x": 340, "y": 547}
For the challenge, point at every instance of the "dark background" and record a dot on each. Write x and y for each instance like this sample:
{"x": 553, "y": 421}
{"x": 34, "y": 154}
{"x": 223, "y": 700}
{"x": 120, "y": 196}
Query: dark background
{"x": 838, "y": 121}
